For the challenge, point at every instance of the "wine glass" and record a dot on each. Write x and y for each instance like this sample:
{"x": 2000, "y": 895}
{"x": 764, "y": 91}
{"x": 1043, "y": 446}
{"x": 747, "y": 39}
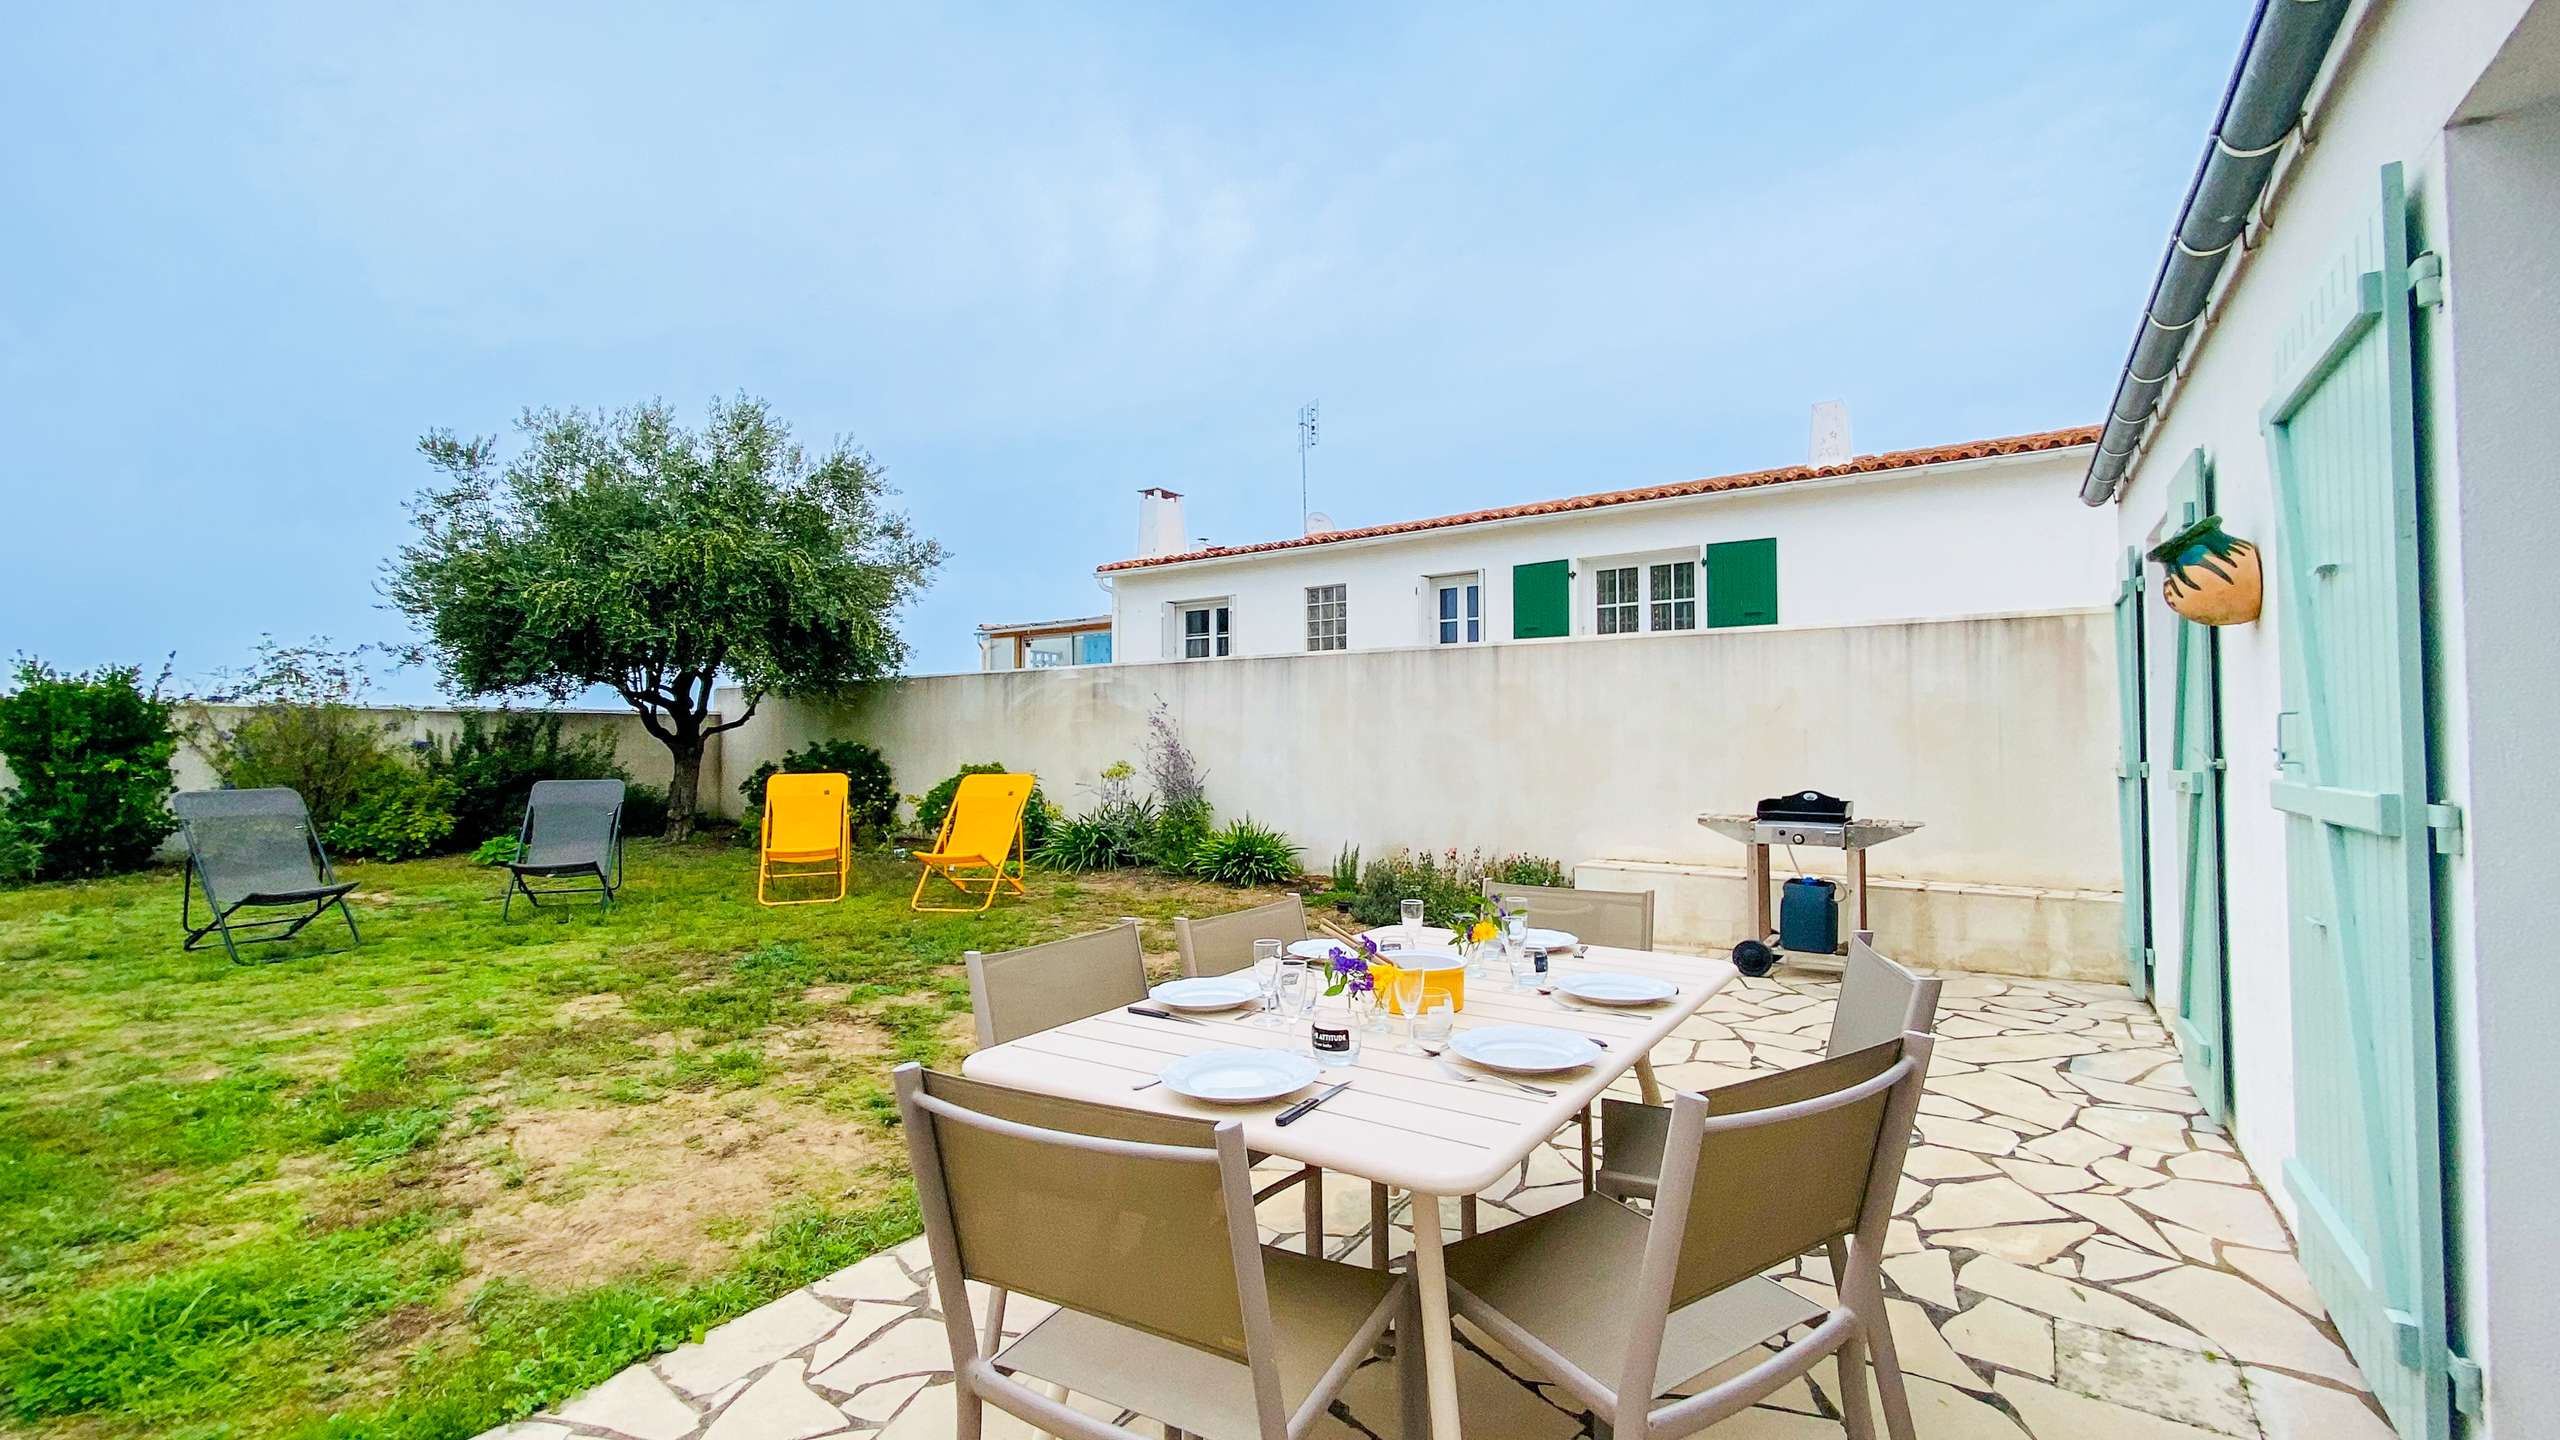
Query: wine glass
{"x": 1266, "y": 972}
{"x": 1407, "y": 994}
{"x": 1412, "y": 910}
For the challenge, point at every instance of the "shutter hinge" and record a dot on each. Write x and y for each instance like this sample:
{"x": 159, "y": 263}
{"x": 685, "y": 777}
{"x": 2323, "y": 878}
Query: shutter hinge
{"x": 2470, "y": 1386}
{"x": 2446, "y": 823}
{"x": 2405, "y": 1342}
{"x": 2426, "y": 279}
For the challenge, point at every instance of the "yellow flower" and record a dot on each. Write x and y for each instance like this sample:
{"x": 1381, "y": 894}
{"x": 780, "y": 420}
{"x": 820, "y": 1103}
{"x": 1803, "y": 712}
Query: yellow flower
{"x": 1484, "y": 930}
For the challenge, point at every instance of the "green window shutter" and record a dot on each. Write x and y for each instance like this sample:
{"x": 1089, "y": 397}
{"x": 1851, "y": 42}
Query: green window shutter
{"x": 1541, "y": 600}
{"x": 1742, "y": 583}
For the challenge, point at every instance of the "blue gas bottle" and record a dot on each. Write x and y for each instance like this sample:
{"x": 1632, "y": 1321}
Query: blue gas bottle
{"x": 1809, "y": 916}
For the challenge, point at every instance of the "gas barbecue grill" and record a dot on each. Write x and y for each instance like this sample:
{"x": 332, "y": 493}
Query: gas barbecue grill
{"x": 1807, "y": 819}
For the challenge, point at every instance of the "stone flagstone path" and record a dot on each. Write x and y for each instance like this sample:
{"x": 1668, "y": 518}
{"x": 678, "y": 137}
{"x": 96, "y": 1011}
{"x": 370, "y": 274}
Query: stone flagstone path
{"x": 2079, "y": 1254}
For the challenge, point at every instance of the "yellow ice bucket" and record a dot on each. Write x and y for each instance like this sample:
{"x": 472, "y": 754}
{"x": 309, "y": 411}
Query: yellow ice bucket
{"x": 1442, "y": 974}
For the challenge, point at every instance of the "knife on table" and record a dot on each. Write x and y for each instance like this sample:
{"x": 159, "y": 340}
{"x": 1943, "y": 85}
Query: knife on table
{"x": 1299, "y": 1111}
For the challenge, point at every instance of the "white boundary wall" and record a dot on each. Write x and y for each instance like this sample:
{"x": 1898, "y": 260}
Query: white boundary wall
{"x": 1997, "y": 732}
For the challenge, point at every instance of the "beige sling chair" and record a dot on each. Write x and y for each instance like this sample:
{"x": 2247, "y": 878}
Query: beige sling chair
{"x": 1619, "y": 919}
{"x": 1223, "y": 944}
{"x": 1878, "y": 1000}
{"x": 1014, "y": 993}
{"x": 1140, "y": 1228}
{"x": 1618, "y": 1308}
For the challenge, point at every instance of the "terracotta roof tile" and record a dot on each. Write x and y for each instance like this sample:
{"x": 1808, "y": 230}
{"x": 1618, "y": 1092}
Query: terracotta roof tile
{"x": 1864, "y": 464}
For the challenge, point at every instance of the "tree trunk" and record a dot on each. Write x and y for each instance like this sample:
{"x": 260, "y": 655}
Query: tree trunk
{"x": 684, "y": 783}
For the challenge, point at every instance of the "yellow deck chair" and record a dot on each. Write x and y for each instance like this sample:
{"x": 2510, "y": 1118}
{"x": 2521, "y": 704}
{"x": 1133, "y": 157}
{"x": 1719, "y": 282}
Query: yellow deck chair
{"x": 981, "y": 841}
{"x": 808, "y": 835}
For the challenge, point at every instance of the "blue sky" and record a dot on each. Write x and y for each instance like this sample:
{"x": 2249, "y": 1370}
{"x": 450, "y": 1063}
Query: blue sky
{"x": 1032, "y": 258}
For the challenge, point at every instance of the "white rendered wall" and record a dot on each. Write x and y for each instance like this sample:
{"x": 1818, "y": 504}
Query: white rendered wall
{"x": 2503, "y": 199}
{"x": 1970, "y": 538}
{"x": 1997, "y": 734}
{"x": 2391, "y": 103}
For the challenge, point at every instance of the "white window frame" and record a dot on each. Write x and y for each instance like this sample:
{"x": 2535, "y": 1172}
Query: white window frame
{"x": 1467, "y": 625}
{"x": 1217, "y": 633}
{"x": 1641, "y": 592}
{"x": 1328, "y": 615}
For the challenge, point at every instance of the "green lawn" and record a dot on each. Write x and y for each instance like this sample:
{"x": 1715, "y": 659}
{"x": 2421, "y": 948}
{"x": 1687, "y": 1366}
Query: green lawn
{"x": 424, "y": 1185}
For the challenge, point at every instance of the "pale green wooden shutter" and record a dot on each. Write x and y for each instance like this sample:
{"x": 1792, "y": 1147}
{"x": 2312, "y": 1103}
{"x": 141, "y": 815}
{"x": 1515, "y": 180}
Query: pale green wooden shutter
{"x": 1541, "y": 600}
{"x": 2367, "y": 1168}
{"x": 2203, "y": 1019}
{"x": 2133, "y": 770}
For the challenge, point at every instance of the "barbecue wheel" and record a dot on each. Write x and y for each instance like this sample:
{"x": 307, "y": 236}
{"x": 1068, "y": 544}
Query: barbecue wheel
{"x": 1754, "y": 959}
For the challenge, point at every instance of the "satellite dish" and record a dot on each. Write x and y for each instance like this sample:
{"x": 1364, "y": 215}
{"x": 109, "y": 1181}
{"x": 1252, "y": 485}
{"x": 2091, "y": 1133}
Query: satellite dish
{"x": 1319, "y": 522}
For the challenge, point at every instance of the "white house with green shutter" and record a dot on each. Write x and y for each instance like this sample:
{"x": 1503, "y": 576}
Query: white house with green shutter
{"x": 2338, "y": 816}
{"x": 1938, "y": 533}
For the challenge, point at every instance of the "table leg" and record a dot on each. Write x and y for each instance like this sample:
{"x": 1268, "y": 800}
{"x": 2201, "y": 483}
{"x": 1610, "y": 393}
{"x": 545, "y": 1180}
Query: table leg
{"x": 1646, "y": 1085}
{"x": 1315, "y": 1214}
{"x": 1439, "y": 1350}
{"x": 1755, "y": 874}
{"x": 1858, "y": 889}
{"x": 1467, "y": 1216}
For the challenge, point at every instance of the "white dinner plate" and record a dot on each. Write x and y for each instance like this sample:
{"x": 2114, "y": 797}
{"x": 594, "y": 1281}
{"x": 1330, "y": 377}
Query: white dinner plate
{"x": 1613, "y": 989}
{"x": 1524, "y": 1049}
{"x": 1208, "y": 992}
{"x": 1427, "y": 937}
{"x": 1239, "y": 1077}
{"x": 1317, "y": 949}
{"x": 1551, "y": 941}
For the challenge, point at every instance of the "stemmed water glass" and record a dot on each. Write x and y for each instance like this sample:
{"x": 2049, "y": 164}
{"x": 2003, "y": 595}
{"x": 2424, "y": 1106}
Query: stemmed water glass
{"x": 1406, "y": 992}
{"x": 1266, "y": 972}
{"x": 1412, "y": 911}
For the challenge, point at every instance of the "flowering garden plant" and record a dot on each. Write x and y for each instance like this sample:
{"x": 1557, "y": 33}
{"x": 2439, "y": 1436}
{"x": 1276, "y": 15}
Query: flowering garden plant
{"x": 1350, "y": 971}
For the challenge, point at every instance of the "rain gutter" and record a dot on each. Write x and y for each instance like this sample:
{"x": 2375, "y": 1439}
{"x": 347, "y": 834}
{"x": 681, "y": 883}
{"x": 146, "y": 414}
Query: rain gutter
{"x": 2288, "y": 41}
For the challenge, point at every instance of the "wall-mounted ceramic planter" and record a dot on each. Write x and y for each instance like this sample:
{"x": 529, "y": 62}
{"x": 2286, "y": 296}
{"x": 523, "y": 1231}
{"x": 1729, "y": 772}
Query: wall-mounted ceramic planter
{"x": 2209, "y": 575}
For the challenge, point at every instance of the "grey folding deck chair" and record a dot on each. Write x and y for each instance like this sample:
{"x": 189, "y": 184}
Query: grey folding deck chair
{"x": 1878, "y": 1000}
{"x": 572, "y": 830}
{"x": 1014, "y": 993}
{"x": 1621, "y": 919}
{"x": 1619, "y": 1308}
{"x": 1140, "y": 1228}
{"x": 255, "y": 849}
{"x": 1223, "y": 944}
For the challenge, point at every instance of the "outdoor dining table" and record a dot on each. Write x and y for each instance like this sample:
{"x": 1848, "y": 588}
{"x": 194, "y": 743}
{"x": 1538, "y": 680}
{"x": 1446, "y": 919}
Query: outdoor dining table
{"x": 1405, "y": 1122}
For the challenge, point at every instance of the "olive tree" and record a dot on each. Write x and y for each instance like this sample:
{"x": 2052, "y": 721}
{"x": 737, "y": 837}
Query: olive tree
{"x": 627, "y": 551}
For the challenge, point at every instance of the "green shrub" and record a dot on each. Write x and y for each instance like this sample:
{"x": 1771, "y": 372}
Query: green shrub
{"x": 644, "y": 809}
{"x": 91, "y": 756}
{"x": 1449, "y": 884}
{"x": 871, "y": 796}
{"x": 1346, "y": 868}
{"x": 1112, "y": 835}
{"x": 1528, "y": 870}
{"x": 1037, "y": 816}
{"x": 1244, "y": 853}
{"x": 497, "y": 850}
{"x": 401, "y": 813}
{"x": 493, "y": 761}
{"x": 299, "y": 722}
{"x": 1180, "y": 828}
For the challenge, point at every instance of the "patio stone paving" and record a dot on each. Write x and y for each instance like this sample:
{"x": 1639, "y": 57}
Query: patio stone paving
{"x": 2078, "y": 1254}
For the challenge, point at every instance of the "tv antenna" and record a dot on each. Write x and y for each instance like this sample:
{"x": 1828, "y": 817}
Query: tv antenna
{"x": 1306, "y": 442}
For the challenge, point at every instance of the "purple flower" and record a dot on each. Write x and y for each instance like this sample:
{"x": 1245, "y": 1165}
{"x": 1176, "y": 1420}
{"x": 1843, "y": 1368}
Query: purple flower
{"x": 1351, "y": 972}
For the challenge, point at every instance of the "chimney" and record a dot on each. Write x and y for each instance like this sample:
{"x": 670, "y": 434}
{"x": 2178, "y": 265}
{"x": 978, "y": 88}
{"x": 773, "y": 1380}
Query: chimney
{"x": 1159, "y": 523}
{"x": 1831, "y": 434}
